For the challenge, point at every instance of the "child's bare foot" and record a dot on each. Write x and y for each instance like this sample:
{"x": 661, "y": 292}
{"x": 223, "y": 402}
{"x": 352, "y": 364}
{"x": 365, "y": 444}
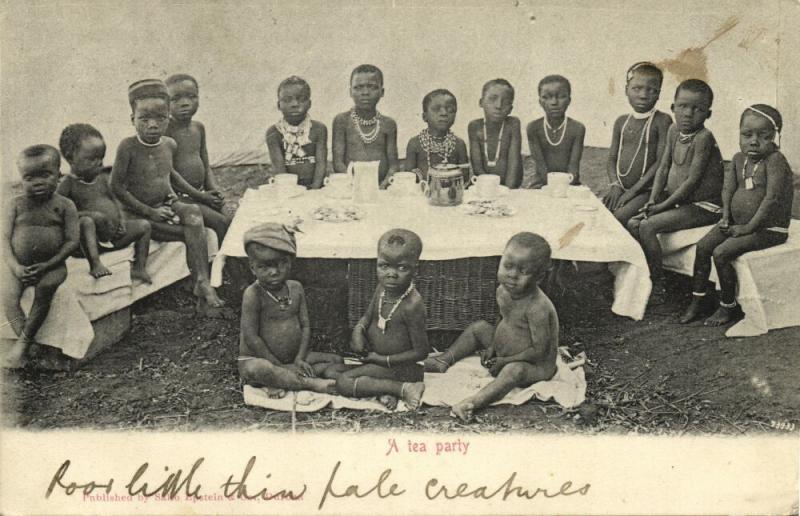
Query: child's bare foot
{"x": 694, "y": 310}
{"x": 204, "y": 290}
{"x": 275, "y": 393}
{"x": 412, "y": 394}
{"x": 322, "y": 385}
{"x": 388, "y": 401}
{"x": 98, "y": 270}
{"x": 724, "y": 315}
{"x": 15, "y": 356}
{"x": 463, "y": 410}
{"x": 140, "y": 274}
{"x": 437, "y": 364}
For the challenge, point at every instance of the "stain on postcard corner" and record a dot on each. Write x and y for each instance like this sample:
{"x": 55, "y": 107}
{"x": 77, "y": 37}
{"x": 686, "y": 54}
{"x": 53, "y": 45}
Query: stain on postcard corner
{"x": 691, "y": 63}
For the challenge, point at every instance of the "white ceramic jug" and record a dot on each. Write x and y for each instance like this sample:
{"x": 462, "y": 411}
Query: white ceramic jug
{"x": 365, "y": 181}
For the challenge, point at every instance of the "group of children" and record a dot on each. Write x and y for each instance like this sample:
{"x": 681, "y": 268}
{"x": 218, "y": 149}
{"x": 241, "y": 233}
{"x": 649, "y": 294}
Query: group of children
{"x": 663, "y": 177}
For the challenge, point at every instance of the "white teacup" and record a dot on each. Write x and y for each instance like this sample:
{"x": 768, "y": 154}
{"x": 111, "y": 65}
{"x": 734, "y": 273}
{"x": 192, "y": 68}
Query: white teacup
{"x": 557, "y": 183}
{"x": 404, "y": 183}
{"x": 586, "y": 214}
{"x": 486, "y": 185}
{"x": 284, "y": 180}
{"x": 338, "y": 181}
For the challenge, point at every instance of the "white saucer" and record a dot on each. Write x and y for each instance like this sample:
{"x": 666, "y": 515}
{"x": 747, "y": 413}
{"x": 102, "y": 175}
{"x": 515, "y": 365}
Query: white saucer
{"x": 286, "y": 192}
{"x": 472, "y": 194}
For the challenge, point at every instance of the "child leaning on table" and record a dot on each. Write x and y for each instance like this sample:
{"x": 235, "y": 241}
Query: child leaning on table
{"x": 296, "y": 144}
{"x": 757, "y": 200}
{"x": 392, "y": 333}
{"x": 521, "y": 349}
{"x": 436, "y": 144}
{"x": 363, "y": 133}
{"x": 275, "y": 329}
{"x": 494, "y": 140}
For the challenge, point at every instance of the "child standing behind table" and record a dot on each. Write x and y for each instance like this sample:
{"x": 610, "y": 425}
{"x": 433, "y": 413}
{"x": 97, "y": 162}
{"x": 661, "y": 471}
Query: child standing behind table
{"x": 436, "y": 144}
{"x": 494, "y": 140}
{"x": 363, "y": 133}
{"x": 522, "y": 349}
{"x": 555, "y": 140}
{"x": 688, "y": 184}
{"x": 191, "y": 158}
{"x": 637, "y": 143}
{"x": 296, "y": 144}
{"x": 757, "y": 200}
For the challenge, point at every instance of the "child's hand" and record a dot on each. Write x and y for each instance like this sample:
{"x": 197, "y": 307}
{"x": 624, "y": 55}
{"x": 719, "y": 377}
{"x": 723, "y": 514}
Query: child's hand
{"x": 162, "y": 214}
{"x": 499, "y": 363}
{"x": 487, "y": 357}
{"x": 374, "y": 358}
{"x": 207, "y": 198}
{"x": 18, "y": 270}
{"x": 738, "y": 230}
{"x": 625, "y": 198}
{"x": 32, "y": 273}
{"x": 644, "y": 210}
{"x": 219, "y": 199}
{"x": 305, "y": 368}
{"x": 612, "y": 198}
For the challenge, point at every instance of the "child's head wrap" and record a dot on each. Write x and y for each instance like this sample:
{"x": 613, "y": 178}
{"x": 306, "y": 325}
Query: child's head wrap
{"x": 145, "y": 89}
{"x": 275, "y": 236}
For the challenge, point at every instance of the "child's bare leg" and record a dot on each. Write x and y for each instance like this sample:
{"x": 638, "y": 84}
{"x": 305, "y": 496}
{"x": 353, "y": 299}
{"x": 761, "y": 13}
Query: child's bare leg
{"x": 88, "y": 229}
{"x": 477, "y": 335}
{"x": 320, "y": 361}
{"x": 372, "y": 380}
{"x": 515, "y": 374}
{"x": 11, "y": 292}
{"x": 137, "y": 230}
{"x": 702, "y": 269}
{"x": 262, "y": 373}
{"x": 194, "y": 232}
{"x": 215, "y": 220}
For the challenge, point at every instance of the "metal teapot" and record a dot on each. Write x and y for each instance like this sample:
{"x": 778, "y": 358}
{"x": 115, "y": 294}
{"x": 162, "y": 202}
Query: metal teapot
{"x": 444, "y": 186}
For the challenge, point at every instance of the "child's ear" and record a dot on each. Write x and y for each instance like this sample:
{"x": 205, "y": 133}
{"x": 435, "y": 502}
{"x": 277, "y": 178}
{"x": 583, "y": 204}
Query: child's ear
{"x": 708, "y": 115}
{"x": 672, "y": 107}
{"x": 132, "y": 122}
{"x": 424, "y": 117}
{"x": 382, "y": 91}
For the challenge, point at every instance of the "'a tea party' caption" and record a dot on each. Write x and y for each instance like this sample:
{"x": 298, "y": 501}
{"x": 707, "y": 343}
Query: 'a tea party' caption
{"x": 449, "y": 447}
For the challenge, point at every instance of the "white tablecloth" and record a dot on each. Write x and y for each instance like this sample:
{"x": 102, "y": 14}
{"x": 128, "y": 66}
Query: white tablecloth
{"x": 448, "y": 233}
{"x": 769, "y": 280}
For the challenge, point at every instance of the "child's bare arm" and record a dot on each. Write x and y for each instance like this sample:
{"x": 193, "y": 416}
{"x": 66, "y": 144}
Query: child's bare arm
{"x": 340, "y": 142}
{"x": 210, "y": 182}
{"x": 575, "y": 153}
{"x": 514, "y": 168}
{"x": 613, "y": 152}
{"x": 391, "y": 147}
{"x": 475, "y": 148}
{"x": 305, "y": 338}
{"x": 776, "y": 169}
{"x": 9, "y": 217}
{"x": 415, "y": 320}
{"x": 662, "y": 128}
{"x": 359, "y": 337}
{"x": 64, "y": 187}
{"x": 321, "y": 156}
{"x": 536, "y": 151}
{"x": 703, "y": 146}
{"x": 179, "y": 183}
{"x": 662, "y": 172}
{"x": 461, "y": 154}
{"x": 411, "y": 154}
{"x": 120, "y": 177}
{"x": 275, "y": 150}
{"x": 71, "y": 238}
{"x": 729, "y": 186}
{"x": 543, "y": 326}
{"x": 250, "y": 324}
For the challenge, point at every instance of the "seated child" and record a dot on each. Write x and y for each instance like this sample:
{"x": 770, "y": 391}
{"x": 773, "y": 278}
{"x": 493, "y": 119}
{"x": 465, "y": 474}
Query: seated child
{"x": 637, "y": 143}
{"x": 392, "y": 333}
{"x": 191, "y": 158}
{"x": 436, "y": 144}
{"x": 40, "y": 231}
{"x": 688, "y": 184}
{"x": 99, "y": 214}
{"x": 275, "y": 329}
{"x": 362, "y": 133}
{"x": 522, "y": 349}
{"x": 555, "y": 140}
{"x": 757, "y": 200}
{"x": 296, "y": 144}
{"x": 494, "y": 140}
{"x": 142, "y": 178}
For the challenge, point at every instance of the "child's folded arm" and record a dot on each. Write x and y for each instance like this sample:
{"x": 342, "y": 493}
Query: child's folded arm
{"x": 250, "y": 324}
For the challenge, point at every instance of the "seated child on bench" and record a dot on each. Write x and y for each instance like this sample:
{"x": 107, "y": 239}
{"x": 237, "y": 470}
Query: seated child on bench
{"x": 191, "y": 157}
{"x": 99, "y": 214}
{"x": 436, "y": 145}
{"x": 392, "y": 333}
{"x": 275, "y": 329}
{"x": 40, "y": 231}
{"x": 522, "y": 349}
{"x": 757, "y": 200}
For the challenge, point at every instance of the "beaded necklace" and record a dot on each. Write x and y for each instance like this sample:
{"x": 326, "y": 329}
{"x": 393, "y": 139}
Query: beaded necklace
{"x": 643, "y": 138}
{"x": 149, "y": 144}
{"x": 683, "y": 138}
{"x": 283, "y": 302}
{"x": 748, "y": 181}
{"x": 372, "y": 135}
{"x": 442, "y": 146}
{"x": 489, "y": 162}
{"x": 563, "y": 128}
{"x": 382, "y": 322}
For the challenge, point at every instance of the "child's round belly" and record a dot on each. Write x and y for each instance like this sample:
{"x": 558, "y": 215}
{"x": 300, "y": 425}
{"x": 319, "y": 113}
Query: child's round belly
{"x": 152, "y": 193}
{"x": 34, "y": 244}
{"x": 510, "y": 340}
{"x": 283, "y": 338}
{"x": 745, "y": 204}
{"x": 192, "y": 169}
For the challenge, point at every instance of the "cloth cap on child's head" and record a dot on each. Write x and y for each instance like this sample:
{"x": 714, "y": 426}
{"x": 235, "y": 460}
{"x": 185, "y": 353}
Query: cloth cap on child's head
{"x": 147, "y": 88}
{"x": 275, "y": 236}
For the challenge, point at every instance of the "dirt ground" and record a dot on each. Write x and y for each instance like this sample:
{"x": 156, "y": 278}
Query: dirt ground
{"x": 177, "y": 372}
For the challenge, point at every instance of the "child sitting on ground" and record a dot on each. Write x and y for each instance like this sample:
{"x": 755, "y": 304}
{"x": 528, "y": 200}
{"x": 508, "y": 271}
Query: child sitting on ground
{"x": 40, "y": 231}
{"x": 275, "y": 329}
{"x": 688, "y": 184}
{"x": 494, "y": 140}
{"x": 436, "y": 145}
{"x": 757, "y": 200}
{"x": 142, "y": 178}
{"x": 191, "y": 158}
{"x": 555, "y": 140}
{"x": 296, "y": 144}
{"x": 392, "y": 333}
{"x": 99, "y": 214}
{"x": 362, "y": 133}
{"x": 637, "y": 143}
{"x": 522, "y": 349}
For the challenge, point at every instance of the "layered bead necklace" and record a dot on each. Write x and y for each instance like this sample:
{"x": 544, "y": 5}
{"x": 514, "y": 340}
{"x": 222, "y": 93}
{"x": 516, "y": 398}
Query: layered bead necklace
{"x": 383, "y": 321}
{"x": 547, "y": 127}
{"x": 683, "y": 138}
{"x": 443, "y": 146}
{"x": 490, "y": 162}
{"x": 283, "y": 302}
{"x": 643, "y": 138}
{"x": 373, "y": 133}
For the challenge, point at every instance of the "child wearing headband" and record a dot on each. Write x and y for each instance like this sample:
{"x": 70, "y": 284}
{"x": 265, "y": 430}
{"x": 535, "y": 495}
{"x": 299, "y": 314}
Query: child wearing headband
{"x": 756, "y": 209}
{"x": 637, "y": 143}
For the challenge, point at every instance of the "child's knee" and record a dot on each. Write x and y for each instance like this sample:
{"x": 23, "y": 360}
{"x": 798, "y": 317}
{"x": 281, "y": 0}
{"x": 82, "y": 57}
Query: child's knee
{"x": 516, "y": 372}
{"x": 345, "y": 384}
{"x": 140, "y": 227}
{"x": 86, "y": 223}
{"x": 190, "y": 215}
{"x": 722, "y": 256}
{"x": 633, "y": 226}
{"x": 50, "y": 282}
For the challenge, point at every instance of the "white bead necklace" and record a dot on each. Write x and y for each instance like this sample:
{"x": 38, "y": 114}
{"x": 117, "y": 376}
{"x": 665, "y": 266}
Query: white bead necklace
{"x": 283, "y": 302}
{"x": 563, "y": 128}
{"x": 643, "y": 138}
{"x": 443, "y": 146}
{"x": 149, "y": 144}
{"x": 382, "y": 322}
{"x": 489, "y": 162}
{"x": 372, "y": 135}
{"x": 748, "y": 181}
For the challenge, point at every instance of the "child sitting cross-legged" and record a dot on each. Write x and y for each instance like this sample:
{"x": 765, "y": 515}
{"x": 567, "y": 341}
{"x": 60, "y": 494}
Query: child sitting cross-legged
{"x": 521, "y": 349}
{"x": 392, "y": 333}
{"x": 275, "y": 329}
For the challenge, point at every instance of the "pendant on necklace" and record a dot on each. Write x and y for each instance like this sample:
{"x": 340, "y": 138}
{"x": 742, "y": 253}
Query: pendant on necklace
{"x": 748, "y": 183}
{"x": 382, "y": 324}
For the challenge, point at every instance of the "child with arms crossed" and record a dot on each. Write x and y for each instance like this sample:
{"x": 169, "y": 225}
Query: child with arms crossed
{"x": 757, "y": 200}
{"x": 436, "y": 144}
{"x": 275, "y": 329}
{"x": 296, "y": 144}
{"x": 637, "y": 143}
{"x": 100, "y": 216}
{"x": 362, "y": 133}
{"x": 522, "y": 349}
{"x": 392, "y": 333}
{"x": 191, "y": 157}
{"x": 688, "y": 184}
{"x": 494, "y": 140}
{"x": 40, "y": 230}
{"x": 555, "y": 140}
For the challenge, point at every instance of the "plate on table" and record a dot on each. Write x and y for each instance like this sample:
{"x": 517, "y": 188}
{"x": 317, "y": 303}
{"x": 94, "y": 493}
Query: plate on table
{"x": 492, "y": 209}
{"x": 472, "y": 194}
{"x": 285, "y": 192}
{"x": 337, "y": 214}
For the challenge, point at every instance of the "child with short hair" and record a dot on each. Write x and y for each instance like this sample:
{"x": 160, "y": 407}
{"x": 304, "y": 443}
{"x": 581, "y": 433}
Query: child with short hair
{"x": 687, "y": 187}
{"x": 494, "y": 140}
{"x": 637, "y": 143}
{"x": 191, "y": 158}
{"x": 40, "y": 231}
{"x": 522, "y": 349}
{"x": 296, "y": 143}
{"x": 392, "y": 333}
{"x": 363, "y": 133}
{"x": 142, "y": 179}
{"x": 436, "y": 145}
{"x": 555, "y": 140}
{"x": 757, "y": 197}
{"x": 275, "y": 328}
{"x": 100, "y": 216}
